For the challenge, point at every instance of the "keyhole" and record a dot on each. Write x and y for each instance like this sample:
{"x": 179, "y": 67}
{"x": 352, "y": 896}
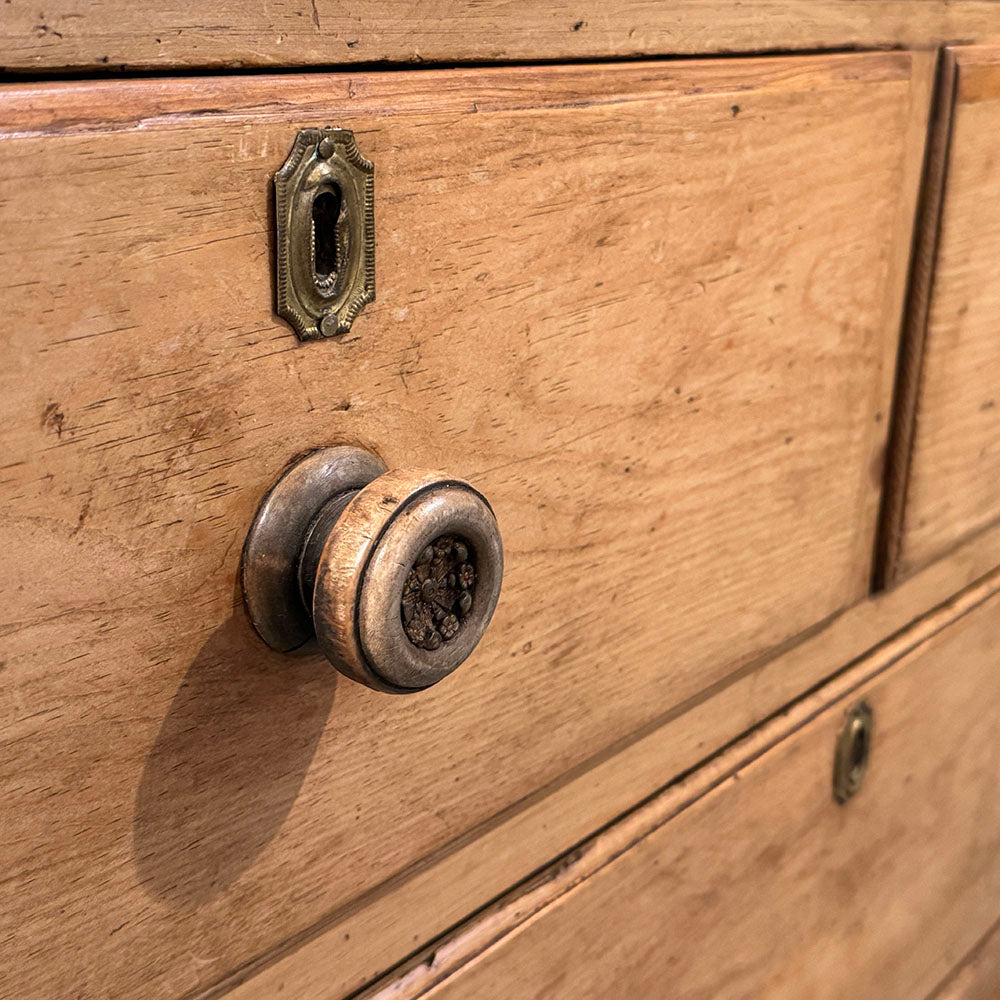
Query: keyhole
{"x": 325, "y": 214}
{"x": 853, "y": 751}
{"x": 859, "y": 750}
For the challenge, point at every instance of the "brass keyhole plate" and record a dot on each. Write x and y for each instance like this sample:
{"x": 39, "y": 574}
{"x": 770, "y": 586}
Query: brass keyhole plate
{"x": 853, "y": 751}
{"x": 325, "y": 208}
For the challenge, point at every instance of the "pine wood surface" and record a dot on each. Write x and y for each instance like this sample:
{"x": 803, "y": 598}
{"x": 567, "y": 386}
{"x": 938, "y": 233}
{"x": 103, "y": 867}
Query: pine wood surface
{"x": 748, "y": 879}
{"x": 685, "y": 481}
{"x": 144, "y": 34}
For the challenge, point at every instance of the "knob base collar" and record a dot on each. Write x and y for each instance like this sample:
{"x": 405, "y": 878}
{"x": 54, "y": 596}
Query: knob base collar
{"x": 269, "y": 568}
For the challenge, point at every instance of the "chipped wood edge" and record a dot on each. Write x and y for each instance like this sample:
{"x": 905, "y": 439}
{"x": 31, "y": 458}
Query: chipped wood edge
{"x": 465, "y": 946}
{"x": 368, "y": 937}
{"x": 902, "y": 432}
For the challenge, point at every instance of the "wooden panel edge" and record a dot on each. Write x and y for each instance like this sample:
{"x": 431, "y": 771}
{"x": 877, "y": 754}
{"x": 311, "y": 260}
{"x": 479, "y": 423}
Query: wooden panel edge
{"x": 977, "y": 975}
{"x": 90, "y": 37}
{"x": 978, "y": 73}
{"x": 357, "y": 944}
{"x": 103, "y": 105}
{"x": 909, "y": 368}
{"x": 976, "y": 56}
{"x": 925, "y": 86}
{"x": 474, "y": 939}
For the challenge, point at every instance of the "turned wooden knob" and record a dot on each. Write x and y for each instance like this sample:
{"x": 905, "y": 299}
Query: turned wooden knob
{"x": 393, "y": 576}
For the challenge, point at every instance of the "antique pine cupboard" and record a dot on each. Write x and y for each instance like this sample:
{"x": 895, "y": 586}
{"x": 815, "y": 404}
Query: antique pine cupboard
{"x": 500, "y": 500}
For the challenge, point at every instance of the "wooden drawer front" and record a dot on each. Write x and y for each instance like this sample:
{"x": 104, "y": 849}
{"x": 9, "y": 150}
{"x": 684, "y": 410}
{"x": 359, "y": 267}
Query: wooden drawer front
{"x": 649, "y": 310}
{"x": 954, "y": 459}
{"x": 766, "y": 887}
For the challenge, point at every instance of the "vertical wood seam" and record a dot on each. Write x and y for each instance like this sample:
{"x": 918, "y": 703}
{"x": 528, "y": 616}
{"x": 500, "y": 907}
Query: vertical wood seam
{"x": 913, "y": 334}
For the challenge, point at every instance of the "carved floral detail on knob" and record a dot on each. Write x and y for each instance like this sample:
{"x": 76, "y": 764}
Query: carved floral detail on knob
{"x": 439, "y": 592}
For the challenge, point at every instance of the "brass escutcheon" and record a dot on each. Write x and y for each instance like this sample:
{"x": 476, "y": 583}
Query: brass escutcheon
{"x": 853, "y": 750}
{"x": 325, "y": 206}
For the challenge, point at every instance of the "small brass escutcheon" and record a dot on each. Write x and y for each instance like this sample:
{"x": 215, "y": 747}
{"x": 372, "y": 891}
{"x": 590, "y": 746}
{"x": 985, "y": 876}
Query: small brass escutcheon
{"x": 325, "y": 206}
{"x": 853, "y": 750}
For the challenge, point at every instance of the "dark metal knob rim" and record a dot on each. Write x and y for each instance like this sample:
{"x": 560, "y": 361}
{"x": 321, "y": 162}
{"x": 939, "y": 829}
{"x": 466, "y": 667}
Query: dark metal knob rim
{"x": 270, "y": 562}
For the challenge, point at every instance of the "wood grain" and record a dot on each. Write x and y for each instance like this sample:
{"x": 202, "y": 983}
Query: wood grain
{"x": 593, "y": 291}
{"x": 97, "y": 34}
{"x": 953, "y": 485}
{"x": 756, "y": 883}
{"x": 562, "y": 816}
{"x": 977, "y": 976}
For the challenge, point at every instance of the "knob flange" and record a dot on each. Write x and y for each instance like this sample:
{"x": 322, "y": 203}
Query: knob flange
{"x": 269, "y": 567}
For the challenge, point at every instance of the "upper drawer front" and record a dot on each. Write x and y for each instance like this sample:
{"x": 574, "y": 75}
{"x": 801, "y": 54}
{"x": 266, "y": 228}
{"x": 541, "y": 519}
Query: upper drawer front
{"x": 648, "y": 310}
{"x": 954, "y": 476}
{"x": 766, "y": 887}
{"x": 201, "y": 33}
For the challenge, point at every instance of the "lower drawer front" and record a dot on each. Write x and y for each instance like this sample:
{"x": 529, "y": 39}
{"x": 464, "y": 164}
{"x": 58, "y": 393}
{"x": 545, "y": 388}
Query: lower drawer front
{"x": 648, "y": 310}
{"x": 766, "y": 887}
